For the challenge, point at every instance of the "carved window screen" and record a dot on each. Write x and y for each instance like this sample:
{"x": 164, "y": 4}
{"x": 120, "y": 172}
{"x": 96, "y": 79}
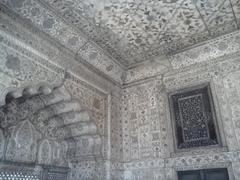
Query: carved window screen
{"x": 193, "y": 116}
{"x": 23, "y": 171}
{"x": 8, "y": 175}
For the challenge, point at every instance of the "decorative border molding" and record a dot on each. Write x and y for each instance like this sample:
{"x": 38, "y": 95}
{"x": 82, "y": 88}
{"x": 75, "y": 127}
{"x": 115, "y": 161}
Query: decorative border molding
{"x": 29, "y": 41}
{"x": 226, "y": 46}
{"x": 89, "y": 53}
{"x": 181, "y": 162}
{"x": 83, "y": 50}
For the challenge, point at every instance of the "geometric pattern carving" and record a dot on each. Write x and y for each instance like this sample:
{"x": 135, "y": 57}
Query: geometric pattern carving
{"x": 18, "y": 176}
{"x": 23, "y": 171}
{"x": 191, "y": 109}
{"x": 194, "y": 118}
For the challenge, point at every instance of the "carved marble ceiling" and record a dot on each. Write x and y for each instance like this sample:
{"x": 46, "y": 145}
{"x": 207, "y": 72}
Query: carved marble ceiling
{"x": 133, "y": 31}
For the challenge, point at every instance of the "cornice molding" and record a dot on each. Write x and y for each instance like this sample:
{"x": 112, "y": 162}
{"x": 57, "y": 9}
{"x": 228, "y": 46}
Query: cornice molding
{"x": 213, "y": 50}
{"x": 30, "y": 44}
{"x": 94, "y": 58}
{"x": 71, "y": 38}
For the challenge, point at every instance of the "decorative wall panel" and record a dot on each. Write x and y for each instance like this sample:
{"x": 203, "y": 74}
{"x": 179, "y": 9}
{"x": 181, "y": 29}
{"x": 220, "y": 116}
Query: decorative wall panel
{"x": 144, "y": 123}
{"x": 23, "y": 64}
{"x": 194, "y": 117}
{"x": 224, "y": 78}
{"x": 232, "y": 91}
{"x": 88, "y": 170}
{"x": 96, "y": 103}
{"x": 116, "y": 129}
{"x": 91, "y": 164}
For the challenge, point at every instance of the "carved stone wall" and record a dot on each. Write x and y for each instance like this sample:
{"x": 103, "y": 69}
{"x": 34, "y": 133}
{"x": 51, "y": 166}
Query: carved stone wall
{"x": 26, "y": 67}
{"x": 90, "y": 163}
{"x": 148, "y": 140}
{"x": 144, "y": 123}
{"x": 222, "y": 47}
{"x": 33, "y": 132}
{"x": 49, "y": 129}
{"x": 133, "y": 137}
{"x": 72, "y": 38}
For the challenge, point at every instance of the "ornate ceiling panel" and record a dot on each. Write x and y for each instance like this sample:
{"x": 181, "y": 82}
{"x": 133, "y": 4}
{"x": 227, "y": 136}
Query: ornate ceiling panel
{"x": 133, "y": 31}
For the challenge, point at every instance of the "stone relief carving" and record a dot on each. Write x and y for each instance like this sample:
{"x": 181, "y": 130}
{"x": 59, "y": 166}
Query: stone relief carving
{"x": 37, "y": 131}
{"x": 22, "y": 144}
{"x": 219, "y": 47}
{"x": 213, "y": 51}
{"x": 231, "y": 84}
{"x": 96, "y": 103}
{"x": 45, "y": 153}
{"x": 223, "y": 77}
{"x": 133, "y": 38}
{"x": 25, "y": 131}
{"x": 143, "y": 122}
{"x": 69, "y": 37}
{"x": 24, "y": 71}
{"x": 88, "y": 170}
{"x": 90, "y": 98}
{"x": 143, "y": 127}
{"x": 116, "y": 129}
